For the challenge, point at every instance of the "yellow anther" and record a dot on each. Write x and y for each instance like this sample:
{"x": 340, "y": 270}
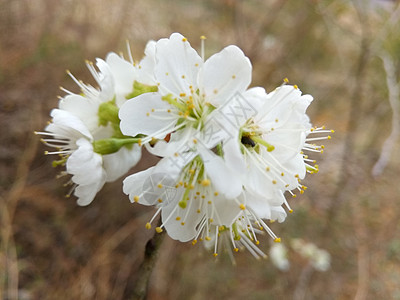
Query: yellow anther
{"x": 208, "y": 238}
{"x": 294, "y": 195}
{"x": 216, "y": 193}
{"x": 215, "y": 91}
{"x": 136, "y": 198}
{"x": 209, "y": 202}
{"x": 291, "y": 210}
{"x": 152, "y": 110}
{"x": 182, "y": 94}
{"x": 301, "y": 192}
{"x": 296, "y": 87}
{"x": 177, "y": 218}
{"x": 183, "y": 76}
{"x": 194, "y": 141}
{"x": 276, "y": 120}
{"x": 191, "y": 171}
{"x": 233, "y": 76}
{"x": 273, "y": 181}
{"x": 191, "y": 186}
{"x": 272, "y": 221}
{"x": 140, "y": 142}
{"x": 285, "y": 80}
{"x": 184, "y": 39}
{"x": 236, "y": 249}
{"x": 198, "y": 211}
{"x": 211, "y": 220}
{"x": 159, "y": 229}
{"x": 277, "y": 240}
{"x": 329, "y": 137}
{"x": 159, "y": 185}
{"x": 182, "y": 223}
{"x": 205, "y": 182}
{"x": 215, "y": 254}
{"x": 194, "y": 242}
{"x": 332, "y": 130}
{"x": 267, "y": 169}
{"x": 242, "y": 207}
{"x": 282, "y": 174}
{"x": 148, "y": 114}
{"x": 159, "y": 200}
{"x": 148, "y": 225}
{"x": 257, "y": 242}
{"x": 203, "y": 37}
{"x": 323, "y": 127}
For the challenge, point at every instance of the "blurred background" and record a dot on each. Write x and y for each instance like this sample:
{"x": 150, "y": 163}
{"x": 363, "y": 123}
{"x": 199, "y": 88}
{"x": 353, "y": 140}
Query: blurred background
{"x": 345, "y": 53}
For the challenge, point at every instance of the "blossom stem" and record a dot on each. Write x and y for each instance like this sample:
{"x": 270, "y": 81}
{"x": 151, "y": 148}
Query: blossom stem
{"x": 147, "y": 266}
{"x": 112, "y": 145}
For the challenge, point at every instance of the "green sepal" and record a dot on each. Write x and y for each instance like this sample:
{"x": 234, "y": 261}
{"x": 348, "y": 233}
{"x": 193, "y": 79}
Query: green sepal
{"x": 112, "y": 145}
{"x": 108, "y": 112}
{"x": 140, "y": 88}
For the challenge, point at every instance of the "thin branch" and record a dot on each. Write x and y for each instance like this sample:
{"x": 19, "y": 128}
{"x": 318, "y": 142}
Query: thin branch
{"x": 349, "y": 156}
{"x": 147, "y": 266}
{"x": 302, "y": 284}
{"x": 394, "y": 101}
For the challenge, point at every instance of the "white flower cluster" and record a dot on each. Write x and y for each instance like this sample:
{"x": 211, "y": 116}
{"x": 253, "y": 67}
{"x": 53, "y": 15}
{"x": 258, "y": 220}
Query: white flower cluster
{"x": 229, "y": 153}
{"x": 318, "y": 258}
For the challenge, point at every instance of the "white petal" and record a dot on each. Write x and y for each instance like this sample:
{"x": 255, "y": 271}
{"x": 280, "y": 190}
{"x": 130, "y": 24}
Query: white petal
{"x": 188, "y": 216}
{"x": 146, "y": 66}
{"x": 224, "y": 180}
{"x": 133, "y": 186}
{"x": 178, "y": 144}
{"x": 137, "y": 116}
{"x": 105, "y": 80}
{"x": 84, "y": 164}
{"x": 84, "y": 108}
{"x": 119, "y": 163}
{"x": 233, "y": 156}
{"x": 67, "y": 125}
{"x": 227, "y": 211}
{"x": 239, "y": 108}
{"x": 124, "y": 73}
{"x": 151, "y": 185}
{"x": 177, "y": 65}
{"x": 278, "y": 213}
{"x": 86, "y": 193}
{"x": 288, "y": 142}
{"x": 224, "y": 74}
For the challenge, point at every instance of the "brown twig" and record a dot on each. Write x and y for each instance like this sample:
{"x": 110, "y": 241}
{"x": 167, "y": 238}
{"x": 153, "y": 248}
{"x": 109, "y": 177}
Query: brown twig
{"x": 147, "y": 266}
{"x": 345, "y": 180}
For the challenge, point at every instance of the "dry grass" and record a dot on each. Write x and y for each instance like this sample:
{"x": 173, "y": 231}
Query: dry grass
{"x": 52, "y": 249}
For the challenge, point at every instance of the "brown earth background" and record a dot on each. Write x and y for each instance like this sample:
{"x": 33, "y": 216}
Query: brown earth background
{"x": 52, "y": 249}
